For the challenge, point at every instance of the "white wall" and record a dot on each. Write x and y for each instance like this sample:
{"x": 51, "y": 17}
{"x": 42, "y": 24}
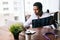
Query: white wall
{"x": 53, "y": 5}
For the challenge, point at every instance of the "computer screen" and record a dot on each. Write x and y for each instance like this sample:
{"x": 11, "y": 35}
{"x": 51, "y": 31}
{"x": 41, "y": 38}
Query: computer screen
{"x": 41, "y": 22}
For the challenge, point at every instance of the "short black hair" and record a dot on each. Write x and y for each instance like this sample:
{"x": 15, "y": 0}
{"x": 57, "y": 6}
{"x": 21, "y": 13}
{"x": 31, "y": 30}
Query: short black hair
{"x": 39, "y": 5}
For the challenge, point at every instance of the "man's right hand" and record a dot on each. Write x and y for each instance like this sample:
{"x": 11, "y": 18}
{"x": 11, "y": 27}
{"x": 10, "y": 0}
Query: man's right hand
{"x": 25, "y": 28}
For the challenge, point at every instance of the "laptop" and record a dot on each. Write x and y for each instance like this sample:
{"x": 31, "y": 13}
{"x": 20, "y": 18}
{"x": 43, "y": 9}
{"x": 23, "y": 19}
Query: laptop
{"x": 41, "y": 22}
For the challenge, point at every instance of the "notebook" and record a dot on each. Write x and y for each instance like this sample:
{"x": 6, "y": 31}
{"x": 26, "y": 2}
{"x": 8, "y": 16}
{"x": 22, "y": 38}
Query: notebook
{"x": 41, "y": 22}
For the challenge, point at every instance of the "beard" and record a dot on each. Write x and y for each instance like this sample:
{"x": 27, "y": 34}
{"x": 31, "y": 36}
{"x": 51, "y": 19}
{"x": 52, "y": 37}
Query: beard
{"x": 38, "y": 14}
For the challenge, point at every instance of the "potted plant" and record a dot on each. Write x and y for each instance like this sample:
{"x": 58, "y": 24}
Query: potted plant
{"x": 15, "y": 29}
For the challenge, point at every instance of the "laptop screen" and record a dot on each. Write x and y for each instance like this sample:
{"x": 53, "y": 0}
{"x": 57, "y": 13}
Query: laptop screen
{"x": 41, "y": 22}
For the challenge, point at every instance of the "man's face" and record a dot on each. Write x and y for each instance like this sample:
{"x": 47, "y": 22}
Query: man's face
{"x": 36, "y": 10}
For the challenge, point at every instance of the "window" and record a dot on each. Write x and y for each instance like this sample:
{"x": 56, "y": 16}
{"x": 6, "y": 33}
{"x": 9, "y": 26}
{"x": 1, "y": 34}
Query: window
{"x": 5, "y": 2}
{"x": 5, "y": 8}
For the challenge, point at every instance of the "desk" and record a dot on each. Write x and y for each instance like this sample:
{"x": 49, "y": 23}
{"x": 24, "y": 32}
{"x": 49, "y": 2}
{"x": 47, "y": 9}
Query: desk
{"x": 37, "y": 35}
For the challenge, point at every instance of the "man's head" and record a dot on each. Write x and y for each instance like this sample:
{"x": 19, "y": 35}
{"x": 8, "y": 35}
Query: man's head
{"x": 37, "y": 7}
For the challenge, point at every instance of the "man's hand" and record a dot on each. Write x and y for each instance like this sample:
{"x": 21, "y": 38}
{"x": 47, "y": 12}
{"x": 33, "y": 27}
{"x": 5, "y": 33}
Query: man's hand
{"x": 25, "y": 28}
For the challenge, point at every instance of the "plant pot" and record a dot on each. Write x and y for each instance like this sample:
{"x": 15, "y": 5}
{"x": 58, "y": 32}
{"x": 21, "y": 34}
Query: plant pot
{"x": 16, "y": 36}
{"x": 16, "y": 29}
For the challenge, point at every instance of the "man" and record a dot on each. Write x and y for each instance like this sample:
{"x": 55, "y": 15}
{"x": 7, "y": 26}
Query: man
{"x": 38, "y": 14}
